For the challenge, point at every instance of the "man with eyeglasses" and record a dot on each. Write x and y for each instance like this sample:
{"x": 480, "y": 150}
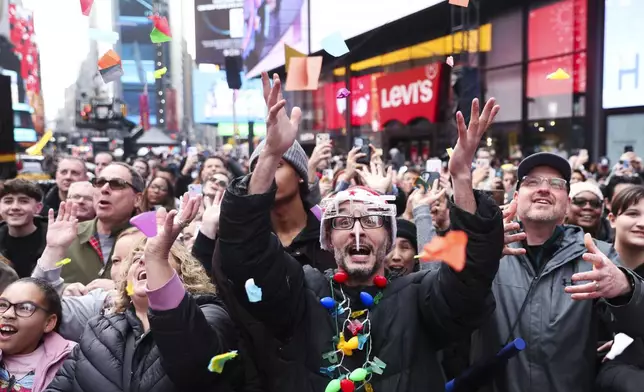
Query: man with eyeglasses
{"x": 551, "y": 287}
{"x": 82, "y": 194}
{"x": 117, "y": 194}
{"x": 353, "y": 327}
{"x": 69, "y": 170}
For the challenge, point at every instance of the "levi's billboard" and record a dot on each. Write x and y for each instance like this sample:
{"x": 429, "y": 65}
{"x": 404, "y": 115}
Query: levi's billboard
{"x": 410, "y": 94}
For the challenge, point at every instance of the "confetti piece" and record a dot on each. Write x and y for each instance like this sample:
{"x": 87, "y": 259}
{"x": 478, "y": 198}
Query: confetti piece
{"x": 103, "y": 35}
{"x": 620, "y": 343}
{"x": 111, "y": 74}
{"x": 303, "y": 73}
{"x": 63, "y": 262}
{"x": 449, "y": 61}
{"x": 158, "y": 74}
{"x": 334, "y": 45}
{"x": 36, "y": 149}
{"x": 449, "y": 249}
{"x": 129, "y": 289}
{"x": 253, "y": 292}
{"x": 289, "y": 53}
{"x": 146, "y": 222}
{"x": 343, "y": 93}
{"x": 218, "y": 361}
{"x": 86, "y": 6}
{"x": 450, "y": 151}
{"x": 157, "y": 37}
{"x": 317, "y": 211}
{"x": 161, "y": 24}
{"x": 559, "y": 74}
{"x": 460, "y": 3}
{"x": 109, "y": 60}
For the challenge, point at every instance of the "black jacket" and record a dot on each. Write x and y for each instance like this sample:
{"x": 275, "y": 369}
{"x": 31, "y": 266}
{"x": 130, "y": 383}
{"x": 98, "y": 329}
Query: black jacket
{"x": 29, "y": 257}
{"x": 173, "y": 355}
{"x": 51, "y": 200}
{"x": 625, "y": 373}
{"x": 418, "y": 315}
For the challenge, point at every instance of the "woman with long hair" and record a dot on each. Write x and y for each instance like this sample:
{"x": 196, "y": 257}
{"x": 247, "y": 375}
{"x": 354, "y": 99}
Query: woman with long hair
{"x": 159, "y": 193}
{"x": 164, "y": 328}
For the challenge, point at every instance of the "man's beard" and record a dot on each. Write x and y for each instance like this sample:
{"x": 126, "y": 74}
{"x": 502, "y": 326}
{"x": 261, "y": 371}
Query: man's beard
{"x": 362, "y": 274}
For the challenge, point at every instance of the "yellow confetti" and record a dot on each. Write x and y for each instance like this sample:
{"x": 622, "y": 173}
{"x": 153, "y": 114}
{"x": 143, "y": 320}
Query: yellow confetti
{"x": 218, "y": 361}
{"x": 129, "y": 289}
{"x": 450, "y": 151}
{"x": 63, "y": 262}
{"x": 160, "y": 72}
{"x": 368, "y": 387}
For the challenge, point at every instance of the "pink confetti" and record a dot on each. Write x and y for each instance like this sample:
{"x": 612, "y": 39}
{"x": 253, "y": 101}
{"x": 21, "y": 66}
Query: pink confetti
{"x": 343, "y": 93}
{"x": 161, "y": 24}
{"x": 317, "y": 211}
{"x": 449, "y": 61}
{"x": 146, "y": 222}
{"x": 86, "y": 6}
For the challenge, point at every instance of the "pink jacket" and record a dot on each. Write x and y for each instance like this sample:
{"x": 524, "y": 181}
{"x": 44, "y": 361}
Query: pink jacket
{"x": 56, "y": 350}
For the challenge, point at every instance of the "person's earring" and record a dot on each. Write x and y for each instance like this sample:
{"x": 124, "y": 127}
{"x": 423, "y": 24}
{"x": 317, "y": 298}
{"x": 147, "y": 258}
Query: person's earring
{"x": 301, "y": 180}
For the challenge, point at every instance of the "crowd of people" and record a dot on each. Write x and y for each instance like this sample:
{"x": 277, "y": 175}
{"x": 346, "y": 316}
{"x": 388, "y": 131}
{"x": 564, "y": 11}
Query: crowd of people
{"x": 284, "y": 272}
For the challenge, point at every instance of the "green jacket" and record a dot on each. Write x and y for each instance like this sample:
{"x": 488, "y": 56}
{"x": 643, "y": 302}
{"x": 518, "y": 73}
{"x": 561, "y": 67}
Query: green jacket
{"x": 86, "y": 263}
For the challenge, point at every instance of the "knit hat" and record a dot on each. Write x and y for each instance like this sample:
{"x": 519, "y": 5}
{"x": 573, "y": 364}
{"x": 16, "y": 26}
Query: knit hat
{"x": 295, "y": 156}
{"x": 579, "y": 187}
{"x": 407, "y": 230}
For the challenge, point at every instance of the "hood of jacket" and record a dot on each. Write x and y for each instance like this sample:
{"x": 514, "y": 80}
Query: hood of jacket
{"x": 560, "y": 333}
{"x": 56, "y": 350}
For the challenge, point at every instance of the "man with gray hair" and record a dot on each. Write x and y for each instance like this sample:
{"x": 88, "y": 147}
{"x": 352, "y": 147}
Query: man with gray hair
{"x": 116, "y": 196}
{"x": 69, "y": 170}
{"x": 82, "y": 194}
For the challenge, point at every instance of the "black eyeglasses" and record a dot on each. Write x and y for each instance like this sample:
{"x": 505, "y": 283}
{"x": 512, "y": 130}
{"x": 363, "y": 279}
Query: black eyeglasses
{"x": 116, "y": 184}
{"x": 581, "y": 202}
{"x": 366, "y": 221}
{"x": 23, "y": 309}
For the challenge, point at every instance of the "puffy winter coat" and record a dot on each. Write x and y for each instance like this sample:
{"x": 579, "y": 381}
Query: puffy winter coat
{"x": 172, "y": 356}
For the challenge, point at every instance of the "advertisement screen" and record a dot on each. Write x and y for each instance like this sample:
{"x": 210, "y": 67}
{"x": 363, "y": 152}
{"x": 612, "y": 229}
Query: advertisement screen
{"x": 213, "y": 100}
{"x": 218, "y": 27}
{"x": 26, "y": 50}
{"x": 354, "y": 17}
{"x": 623, "y": 54}
{"x": 270, "y": 24}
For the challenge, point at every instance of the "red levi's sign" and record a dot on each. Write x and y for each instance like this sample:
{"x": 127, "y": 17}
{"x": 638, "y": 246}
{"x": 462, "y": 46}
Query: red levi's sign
{"x": 410, "y": 94}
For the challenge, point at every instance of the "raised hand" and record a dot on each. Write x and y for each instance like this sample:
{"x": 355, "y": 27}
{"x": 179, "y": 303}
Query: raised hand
{"x": 606, "y": 279}
{"x": 377, "y": 178}
{"x": 419, "y": 197}
{"x": 281, "y": 131}
{"x": 75, "y": 290}
{"x": 509, "y": 227}
{"x": 157, "y": 249}
{"x": 352, "y": 164}
{"x": 62, "y": 230}
{"x": 210, "y": 217}
{"x": 469, "y": 137}
{"x": 321, "y": 153}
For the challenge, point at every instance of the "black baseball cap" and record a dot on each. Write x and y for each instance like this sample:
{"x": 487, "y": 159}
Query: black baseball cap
{"x": 545, "y": 159}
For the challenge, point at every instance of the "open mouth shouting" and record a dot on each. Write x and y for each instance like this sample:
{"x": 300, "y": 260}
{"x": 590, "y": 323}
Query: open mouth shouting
{"x": 359, "y": 254}
{"x": 7, "y": 331}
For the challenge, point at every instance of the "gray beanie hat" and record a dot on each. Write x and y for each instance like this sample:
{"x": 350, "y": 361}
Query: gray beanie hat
{"x": 295, "y": 156}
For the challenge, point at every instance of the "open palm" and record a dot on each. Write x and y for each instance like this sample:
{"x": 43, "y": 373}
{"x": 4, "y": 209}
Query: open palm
{"x": 62, "y": 230}
{"x": 469, "y": 137}
{"x": 281, "y": 131}
{"x": 169, "y": 228}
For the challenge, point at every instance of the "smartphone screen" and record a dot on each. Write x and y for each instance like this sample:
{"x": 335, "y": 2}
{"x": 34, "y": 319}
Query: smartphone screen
{"x": 430, "y": 176}
{"x": 364, "y": 148}
{"x": 322, "y": 138}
